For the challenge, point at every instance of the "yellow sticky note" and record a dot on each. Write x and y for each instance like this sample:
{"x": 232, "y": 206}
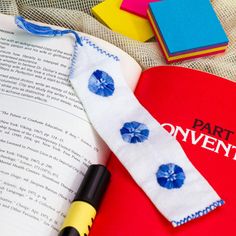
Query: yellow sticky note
{"x": 120, "y": 21}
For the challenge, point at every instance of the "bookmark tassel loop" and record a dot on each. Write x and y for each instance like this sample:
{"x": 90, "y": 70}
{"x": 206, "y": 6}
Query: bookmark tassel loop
{"x": 45, "y": 31}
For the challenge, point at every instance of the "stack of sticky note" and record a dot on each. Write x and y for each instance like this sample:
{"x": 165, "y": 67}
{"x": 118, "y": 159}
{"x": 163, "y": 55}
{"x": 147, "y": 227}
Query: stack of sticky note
{"x": 123, "y": 22}
{"x": 187, "y": 28}
{"x": 138, "y": 7}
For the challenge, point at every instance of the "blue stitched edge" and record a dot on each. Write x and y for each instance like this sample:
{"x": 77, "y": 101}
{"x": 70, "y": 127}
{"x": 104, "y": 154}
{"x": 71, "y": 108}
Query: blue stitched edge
{"x": 93, "y": 45}
{"x": 73, "y": 60}
{"x": 198, "y": 214}
{"x": 100, "y": 50}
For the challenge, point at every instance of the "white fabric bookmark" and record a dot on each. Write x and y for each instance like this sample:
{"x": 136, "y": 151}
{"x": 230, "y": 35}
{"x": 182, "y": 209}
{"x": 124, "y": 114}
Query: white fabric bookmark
{"x": 155, "y": 159}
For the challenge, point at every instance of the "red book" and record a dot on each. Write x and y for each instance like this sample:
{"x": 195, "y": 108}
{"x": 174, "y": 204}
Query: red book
{"x": 199, "y": 109}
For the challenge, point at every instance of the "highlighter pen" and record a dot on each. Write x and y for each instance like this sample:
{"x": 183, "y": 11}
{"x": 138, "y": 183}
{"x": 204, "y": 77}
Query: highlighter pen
{"x": 83, "y": 209}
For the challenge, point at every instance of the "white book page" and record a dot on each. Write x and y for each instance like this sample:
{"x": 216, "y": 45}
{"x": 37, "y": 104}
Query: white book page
{"x": 46, "y": 140}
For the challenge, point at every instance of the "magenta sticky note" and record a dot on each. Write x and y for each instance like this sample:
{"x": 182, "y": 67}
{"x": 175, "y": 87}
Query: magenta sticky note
{"x": 138, "y": 7}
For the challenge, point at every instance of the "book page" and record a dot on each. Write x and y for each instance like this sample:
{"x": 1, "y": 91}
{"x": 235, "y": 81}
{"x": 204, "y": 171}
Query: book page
{"x": 46, "y": 139}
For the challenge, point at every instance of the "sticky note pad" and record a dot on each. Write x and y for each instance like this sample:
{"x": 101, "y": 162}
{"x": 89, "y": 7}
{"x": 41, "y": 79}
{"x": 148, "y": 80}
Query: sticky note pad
{"x": 138, "y": 7}
{"x": 187, "y": 29}
{"x": 123, "y": 22}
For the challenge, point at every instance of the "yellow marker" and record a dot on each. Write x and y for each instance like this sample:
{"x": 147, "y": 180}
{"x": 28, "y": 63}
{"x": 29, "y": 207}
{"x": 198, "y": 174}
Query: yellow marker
{"x": 84, "y": 207}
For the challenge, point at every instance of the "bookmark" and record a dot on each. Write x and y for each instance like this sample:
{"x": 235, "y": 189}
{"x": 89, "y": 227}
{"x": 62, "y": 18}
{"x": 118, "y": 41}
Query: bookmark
{"x": 154, "y": 158}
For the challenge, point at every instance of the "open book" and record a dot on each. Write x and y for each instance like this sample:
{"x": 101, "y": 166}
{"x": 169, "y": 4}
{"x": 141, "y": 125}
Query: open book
{"x": 46, "y": 141}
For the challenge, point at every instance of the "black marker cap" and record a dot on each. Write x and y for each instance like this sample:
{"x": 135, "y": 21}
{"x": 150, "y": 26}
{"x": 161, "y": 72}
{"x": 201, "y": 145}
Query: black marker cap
{"x": 93, "y": 185}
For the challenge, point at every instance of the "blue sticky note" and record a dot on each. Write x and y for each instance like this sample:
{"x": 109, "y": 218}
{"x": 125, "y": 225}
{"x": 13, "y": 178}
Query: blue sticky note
{"x": 187, "y": 25}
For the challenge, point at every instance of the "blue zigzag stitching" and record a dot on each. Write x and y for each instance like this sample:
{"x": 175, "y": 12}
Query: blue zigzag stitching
{"x": 73, "y": 61}
{"x": 100, "y": 50}
{"x": 197, "y": 214}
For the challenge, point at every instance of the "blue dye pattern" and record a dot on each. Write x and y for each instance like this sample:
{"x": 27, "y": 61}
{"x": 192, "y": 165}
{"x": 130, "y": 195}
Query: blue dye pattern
{"x": 45, "y": 31}
{"x": 101, "y": 84}
{"x": 134, "y": 132}
{"x": 170, "y": 176}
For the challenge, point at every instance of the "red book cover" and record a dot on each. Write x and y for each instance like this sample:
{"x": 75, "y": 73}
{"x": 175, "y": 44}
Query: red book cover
{"x": 199, "y": 110}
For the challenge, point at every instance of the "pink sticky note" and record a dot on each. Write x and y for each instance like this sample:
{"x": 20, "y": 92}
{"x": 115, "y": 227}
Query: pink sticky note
{"x": 138, "y": 7}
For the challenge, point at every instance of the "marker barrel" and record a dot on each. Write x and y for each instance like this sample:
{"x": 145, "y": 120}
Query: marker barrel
{"x": 83, "y": 209}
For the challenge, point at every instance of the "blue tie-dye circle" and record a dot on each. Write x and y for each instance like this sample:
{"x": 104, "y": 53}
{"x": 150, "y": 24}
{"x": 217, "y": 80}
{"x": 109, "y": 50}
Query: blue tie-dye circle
{"x": 134, "y": 132}
{"x": 170, "y": 176}
{"x": 101, "y": 84}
